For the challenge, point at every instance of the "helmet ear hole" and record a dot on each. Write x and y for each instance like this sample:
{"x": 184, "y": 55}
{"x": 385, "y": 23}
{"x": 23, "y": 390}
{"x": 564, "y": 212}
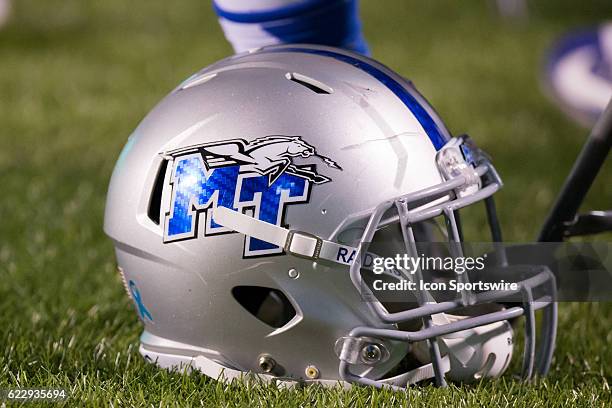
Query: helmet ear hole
{"x": 269, "y": 305}
{"x": 156, "y": 196}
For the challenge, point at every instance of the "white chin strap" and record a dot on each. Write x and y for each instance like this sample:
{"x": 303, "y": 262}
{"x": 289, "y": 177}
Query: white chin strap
{"x": 297, "y": 243}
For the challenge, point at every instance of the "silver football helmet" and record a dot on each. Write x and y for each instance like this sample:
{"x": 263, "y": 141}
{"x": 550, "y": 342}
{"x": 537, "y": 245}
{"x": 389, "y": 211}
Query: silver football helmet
{"x": 247, "y": 207}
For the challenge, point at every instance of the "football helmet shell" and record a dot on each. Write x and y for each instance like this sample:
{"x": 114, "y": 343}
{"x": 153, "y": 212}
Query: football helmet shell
{"x": 241, "y": 206}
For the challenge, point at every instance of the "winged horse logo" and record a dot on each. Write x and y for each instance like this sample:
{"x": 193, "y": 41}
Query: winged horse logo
{"x": 269, "y": 155}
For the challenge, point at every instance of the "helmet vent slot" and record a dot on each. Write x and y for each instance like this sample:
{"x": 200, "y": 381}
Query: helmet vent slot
{"x": 197, "y": 80}
{"x": 310, "y": 83}
{"x": 156, "y": 195}
{"x": 269, "y": 305}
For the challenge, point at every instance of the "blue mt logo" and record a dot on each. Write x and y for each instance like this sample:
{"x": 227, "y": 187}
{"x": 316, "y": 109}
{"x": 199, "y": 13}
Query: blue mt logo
{"x": 257, "y": 177}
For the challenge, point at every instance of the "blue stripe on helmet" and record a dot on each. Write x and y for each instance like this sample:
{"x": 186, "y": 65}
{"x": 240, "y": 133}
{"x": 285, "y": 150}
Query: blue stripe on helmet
{"x": 435, "y": 134}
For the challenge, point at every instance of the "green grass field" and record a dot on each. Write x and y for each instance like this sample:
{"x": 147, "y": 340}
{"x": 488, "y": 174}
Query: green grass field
{"x": 76, "y": 77}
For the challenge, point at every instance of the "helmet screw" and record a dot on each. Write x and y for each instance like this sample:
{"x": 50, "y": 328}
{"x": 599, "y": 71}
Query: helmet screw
{"x": 312, "y": 372}
{"x": 266, "y": 363}
{"x": 371, "y": 353}
{"x": 293, "y": 273}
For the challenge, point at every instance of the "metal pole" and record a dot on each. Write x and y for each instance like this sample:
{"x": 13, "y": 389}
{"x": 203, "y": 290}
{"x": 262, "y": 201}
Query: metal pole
{"x": 580, "y": 179}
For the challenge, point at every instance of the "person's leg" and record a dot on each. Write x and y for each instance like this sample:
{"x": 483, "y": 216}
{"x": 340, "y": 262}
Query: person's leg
{"x": 251, "y": 24}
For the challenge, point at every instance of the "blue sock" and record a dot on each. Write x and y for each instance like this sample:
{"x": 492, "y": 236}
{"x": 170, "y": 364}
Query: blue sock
{"x": 251, "y": 24}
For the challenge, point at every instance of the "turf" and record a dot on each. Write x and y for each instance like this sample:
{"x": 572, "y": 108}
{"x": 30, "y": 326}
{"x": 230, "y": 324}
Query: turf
{"x": 75, "y": 79}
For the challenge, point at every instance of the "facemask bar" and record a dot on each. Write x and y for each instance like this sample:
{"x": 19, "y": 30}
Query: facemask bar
{"x": 464, "y": 186}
